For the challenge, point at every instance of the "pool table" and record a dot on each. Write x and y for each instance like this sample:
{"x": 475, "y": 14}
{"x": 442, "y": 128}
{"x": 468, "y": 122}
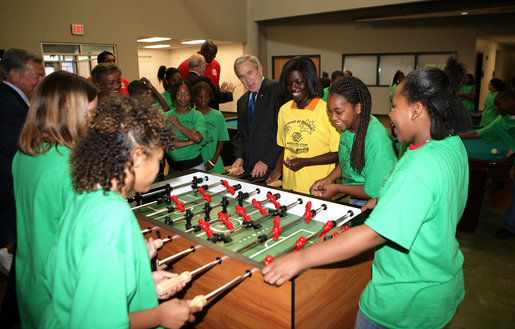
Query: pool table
{"x": 232, "y": 123}
{"x": 486, "y": 165}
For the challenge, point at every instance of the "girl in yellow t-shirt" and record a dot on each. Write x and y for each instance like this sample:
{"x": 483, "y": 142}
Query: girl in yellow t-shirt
{"x": 304, "y": 131}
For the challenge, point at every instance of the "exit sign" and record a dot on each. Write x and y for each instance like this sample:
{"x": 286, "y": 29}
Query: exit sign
{"x": 77, "y": 29}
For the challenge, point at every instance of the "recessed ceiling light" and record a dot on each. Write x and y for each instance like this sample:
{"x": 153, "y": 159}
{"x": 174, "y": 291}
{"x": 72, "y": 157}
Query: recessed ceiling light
{"x": 193, "y": 42}
{"x": 158, "y": 46}
{"x": 154, "y": 39}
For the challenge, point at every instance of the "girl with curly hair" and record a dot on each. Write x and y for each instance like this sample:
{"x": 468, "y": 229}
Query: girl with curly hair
{"x": 56, "y": 121}
{"x": 98, "y": 271}
{"x": 417, "y": 277}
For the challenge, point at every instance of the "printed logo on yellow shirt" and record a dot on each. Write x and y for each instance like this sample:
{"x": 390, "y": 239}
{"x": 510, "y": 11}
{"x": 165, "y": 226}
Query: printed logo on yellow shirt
{"x": 307, "y": 126}
{"x": 296, "y": 136}
{"x": 295, "y": 129}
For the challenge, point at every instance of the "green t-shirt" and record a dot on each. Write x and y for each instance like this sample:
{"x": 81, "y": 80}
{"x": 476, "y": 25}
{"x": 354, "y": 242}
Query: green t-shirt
{"x": 166, "y": 95}
{"x": 326, "y": 93}
{"x": 468, "y": 103}
{"x": 391, "y": 94}
{"x": 417, "y": 278}
{"x": 502, "y": 128}
{"x": 490, "y": 112}
{"x": 379, "y": 158}
{"x": 216, "y": 131}
{"x": 98, "y": 270}
{"x": 192, "y": 119}
{"x": 42, "y": 190}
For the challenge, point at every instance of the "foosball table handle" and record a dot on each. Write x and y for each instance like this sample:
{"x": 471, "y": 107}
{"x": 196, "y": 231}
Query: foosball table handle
{"x": 164, "y": 287}
{"x": 198, "y": 301}
{"x": 233, "y": 170}
{"x": 276, "y": 183}
{"x": 158, "y": 243}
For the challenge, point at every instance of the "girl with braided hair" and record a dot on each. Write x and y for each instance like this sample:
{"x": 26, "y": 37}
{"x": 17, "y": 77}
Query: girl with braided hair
{"x": 98, "y": 271}
{"x": 365, "y": 153}
{"x": 417, "y": 277}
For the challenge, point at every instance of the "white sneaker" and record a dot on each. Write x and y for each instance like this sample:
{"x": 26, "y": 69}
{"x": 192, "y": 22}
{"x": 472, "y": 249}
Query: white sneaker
{"x": 5, "y": 261}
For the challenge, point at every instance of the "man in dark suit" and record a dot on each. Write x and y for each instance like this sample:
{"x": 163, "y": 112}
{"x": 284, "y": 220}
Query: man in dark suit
{"x": 255, "y": 143}
{"x": 197, "y": 65}
{"x": 22, "y": 70}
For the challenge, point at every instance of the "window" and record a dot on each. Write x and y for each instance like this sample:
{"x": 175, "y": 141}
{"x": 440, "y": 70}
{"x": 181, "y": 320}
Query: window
{"x": 379, "y": 69}
{"x": 362, "y": 66}
{"x": 389, "y": 64}
{"x": 79, "y": 59}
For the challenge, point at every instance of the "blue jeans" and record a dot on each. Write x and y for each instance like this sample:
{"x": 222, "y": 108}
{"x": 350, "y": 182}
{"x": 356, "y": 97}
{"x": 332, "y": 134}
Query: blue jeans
{"x": 357, "y": 202}
{"x": 363, "y": 322}
{"x": 509, "y": 216}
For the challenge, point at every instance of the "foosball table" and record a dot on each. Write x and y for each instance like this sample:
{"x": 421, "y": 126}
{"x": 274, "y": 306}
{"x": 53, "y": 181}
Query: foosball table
{"x": 218, "y": 231}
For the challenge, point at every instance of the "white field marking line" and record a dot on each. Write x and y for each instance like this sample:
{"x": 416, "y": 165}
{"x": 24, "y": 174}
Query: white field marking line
{"x": 279, "y": 241}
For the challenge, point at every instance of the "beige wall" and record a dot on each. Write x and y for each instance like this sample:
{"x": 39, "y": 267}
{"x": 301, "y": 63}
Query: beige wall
{"x": 332, "y": 39}
{"x": 505, "y": 61}
{"x": 226, "y": 55}
{"x": 27, "y": 23}
{"x": 273, "y": 9}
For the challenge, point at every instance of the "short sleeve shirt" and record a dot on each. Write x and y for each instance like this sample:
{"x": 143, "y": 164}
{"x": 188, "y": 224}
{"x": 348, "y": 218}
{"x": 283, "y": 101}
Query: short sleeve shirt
{"x": 216, "y": 131}
{"x": 502, "y": 128}
{"x": 192, "y": 119}
{"x": 98, "y": 270}
{"x": 417, "y": 278}
{"x": 306, "y": 133}
{"x": 490, "y": 112}
{"x": 42, "y": 190}
{"x": 379, "y": 158}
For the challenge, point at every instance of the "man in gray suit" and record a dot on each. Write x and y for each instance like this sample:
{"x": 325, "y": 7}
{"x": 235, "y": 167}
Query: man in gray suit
{"x": 255, "y": 142}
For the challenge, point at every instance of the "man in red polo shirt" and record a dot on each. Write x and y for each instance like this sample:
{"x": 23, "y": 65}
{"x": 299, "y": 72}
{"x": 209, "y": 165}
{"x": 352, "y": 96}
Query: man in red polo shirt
{"x": 208, "y": 50}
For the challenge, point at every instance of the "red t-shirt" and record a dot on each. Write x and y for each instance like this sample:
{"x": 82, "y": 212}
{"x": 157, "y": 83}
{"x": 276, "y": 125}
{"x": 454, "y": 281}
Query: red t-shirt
{"x": 212, "y": 71}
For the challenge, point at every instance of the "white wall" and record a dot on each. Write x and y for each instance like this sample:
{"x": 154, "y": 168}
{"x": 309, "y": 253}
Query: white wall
{"x": 226, "y": 55}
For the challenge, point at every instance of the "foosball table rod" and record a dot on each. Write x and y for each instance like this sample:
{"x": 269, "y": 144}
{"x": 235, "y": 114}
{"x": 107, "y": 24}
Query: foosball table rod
{"x": 201, "y": 300}
{"x": 185, "y": 277}
{"x": 177, "y": 255}
{"x": 168, "y": 188}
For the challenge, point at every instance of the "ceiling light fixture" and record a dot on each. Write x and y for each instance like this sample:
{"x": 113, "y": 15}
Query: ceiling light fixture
{"x": 158, "y": 46}
{"x": 154, "y": 39}
{"x": 193, "y": 42}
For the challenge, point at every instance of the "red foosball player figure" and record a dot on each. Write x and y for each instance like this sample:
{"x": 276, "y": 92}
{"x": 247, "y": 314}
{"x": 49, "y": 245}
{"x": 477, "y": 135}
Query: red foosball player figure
{"x": 179, "y": 205}
{"x": 301, "y": 242}
{"x": 257, "y": 205}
